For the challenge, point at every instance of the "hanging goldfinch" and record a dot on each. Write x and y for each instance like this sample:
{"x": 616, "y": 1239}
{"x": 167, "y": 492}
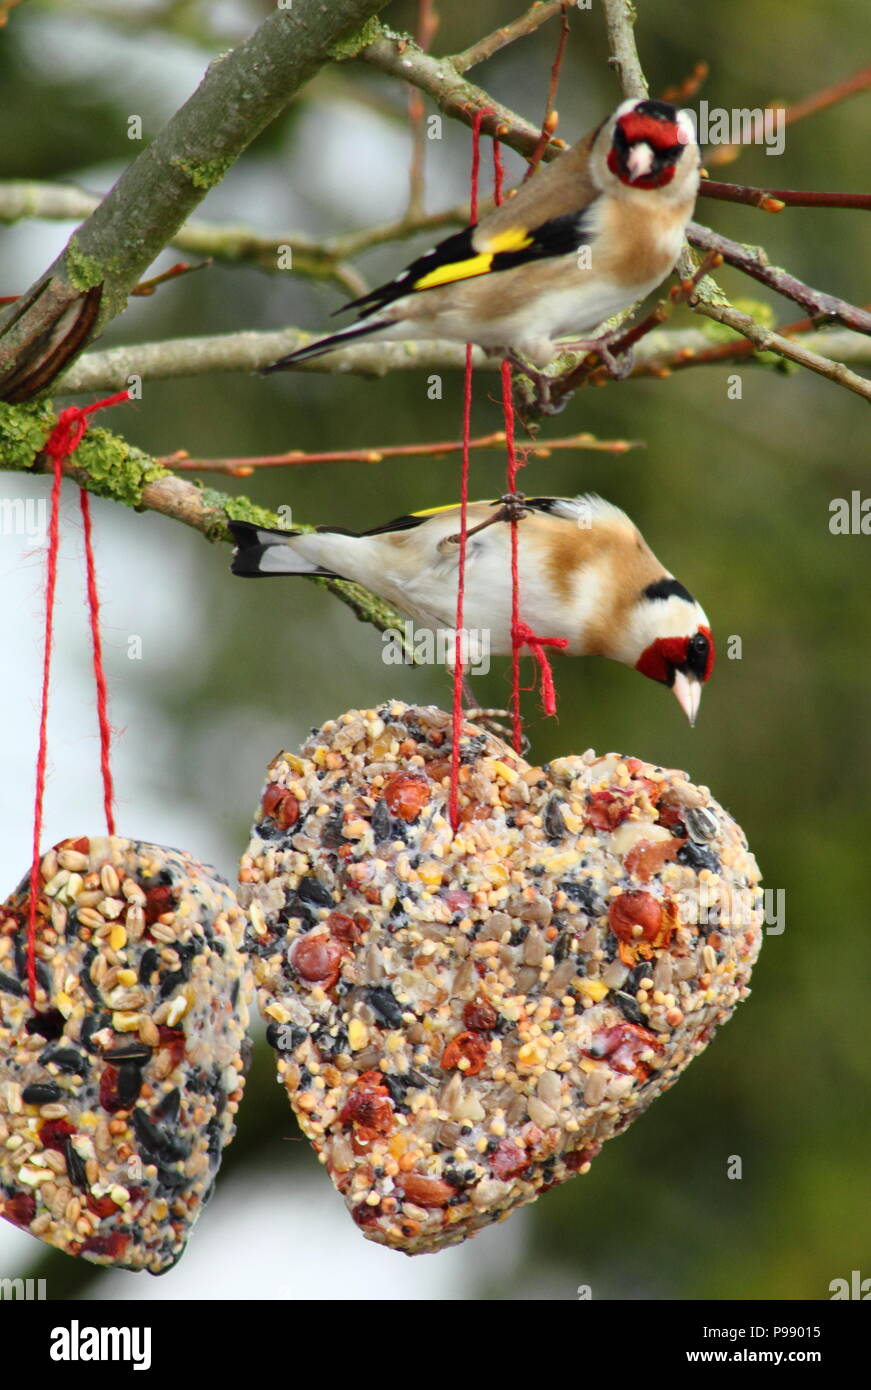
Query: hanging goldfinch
{"x": 588, "y": 236}
{"x": 586, "y": 575}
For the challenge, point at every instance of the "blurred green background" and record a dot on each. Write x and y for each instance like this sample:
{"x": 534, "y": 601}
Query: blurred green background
{"x": 732, "y": 495}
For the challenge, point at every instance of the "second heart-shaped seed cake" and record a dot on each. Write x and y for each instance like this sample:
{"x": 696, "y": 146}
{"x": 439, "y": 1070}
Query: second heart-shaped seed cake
{"x": 461, "y": 1020}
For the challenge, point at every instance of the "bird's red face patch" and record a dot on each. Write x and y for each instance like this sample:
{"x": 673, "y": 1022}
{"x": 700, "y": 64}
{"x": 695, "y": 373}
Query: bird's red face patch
{"x": 663, "y": 657}
{"x": 665, "y": 140}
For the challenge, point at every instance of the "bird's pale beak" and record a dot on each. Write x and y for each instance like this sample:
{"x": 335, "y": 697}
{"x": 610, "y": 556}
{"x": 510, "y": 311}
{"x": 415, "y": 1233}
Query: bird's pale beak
{"x": 639, "y": 161}
{"x": 688, "y": 692}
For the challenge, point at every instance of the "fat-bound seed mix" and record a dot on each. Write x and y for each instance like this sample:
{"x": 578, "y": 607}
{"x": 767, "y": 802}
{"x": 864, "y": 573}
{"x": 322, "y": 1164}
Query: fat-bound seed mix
{"x": 461, "y": 1021}
{"x": 119, "y": 1091}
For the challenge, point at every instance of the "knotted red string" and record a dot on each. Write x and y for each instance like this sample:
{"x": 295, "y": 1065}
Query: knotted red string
{"x": 63, "y": 441}
{"x": 457, "y": 713}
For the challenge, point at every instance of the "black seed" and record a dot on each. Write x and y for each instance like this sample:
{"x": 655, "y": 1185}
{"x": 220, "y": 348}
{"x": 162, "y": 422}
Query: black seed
{"x": 234, "y": 993}
{"x": 148, "y": 1134}
{"x": 129, "y": 1084}
{"x": 170, "y": 983}
{"x": 701, "y": 824}
{"x": 41, "y": 1093}
{"x": 168, "y": 1109}
{"x": 50, "y": 1024}
{"x": 628, "y": 1007}
{"x": 66, "y": 1059}
{"x": 644, "y": 971}
{"x": 698, "y": 857}
{"x": 459, "y": 1177}
{"x": 584, "y": 894}
{"x": 562, "y": 946}
{"x": 382, "y": 1000}
{"x": 171, "y": 1180}
{"x": 382, "y": 822}
{"x": 91, "y": 1025}
{"x": 268, "y": 830}
{"x": 86, "y": 982}
{"x": 10, "y": 985}
{"x": 215, "y": 1131}
{"x": 396, "y": 1090}
{"x": 554, "y": 825}
{"x": 148, "y": 964}
{"x": 519, "y": 936}
{"x": 311, "y": 890}
{"x": 75, "y": 1165}
{"x": 331, "y": 834}
{"x": 137, "y": 1052}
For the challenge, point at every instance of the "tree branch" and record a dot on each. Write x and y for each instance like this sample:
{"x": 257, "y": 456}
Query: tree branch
{"x": 107, "y": 466}
{"x": 240, "y": 94}
{"x": 620, "y": 19}
{"x": 752, "y": 261}
{"x": 439, "y": 79}
{"x": 111, "y": 369}
{"x": 228, "y": 242}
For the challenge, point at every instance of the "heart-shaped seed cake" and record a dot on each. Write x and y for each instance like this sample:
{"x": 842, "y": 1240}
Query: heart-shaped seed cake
{"x": 462, "y": 1020}
{"x": 118, "y": 1091}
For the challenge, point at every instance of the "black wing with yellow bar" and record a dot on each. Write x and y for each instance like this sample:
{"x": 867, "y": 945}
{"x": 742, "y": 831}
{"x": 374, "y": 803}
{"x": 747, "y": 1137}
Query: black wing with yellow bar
{"x": 458, "y": 258}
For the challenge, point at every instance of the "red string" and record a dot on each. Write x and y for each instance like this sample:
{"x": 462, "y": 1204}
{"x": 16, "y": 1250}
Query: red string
{"x": 457, "y": 713}
{"x": 63, "y": 441}
{"x": 522, "y": 634}
{"x": 99, "y": 672}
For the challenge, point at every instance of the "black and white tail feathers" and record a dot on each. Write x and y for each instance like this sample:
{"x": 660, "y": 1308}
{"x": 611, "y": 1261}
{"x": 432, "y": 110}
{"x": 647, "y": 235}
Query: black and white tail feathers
{"x": 261, "y": 553}
{"x": 323, "y": 345}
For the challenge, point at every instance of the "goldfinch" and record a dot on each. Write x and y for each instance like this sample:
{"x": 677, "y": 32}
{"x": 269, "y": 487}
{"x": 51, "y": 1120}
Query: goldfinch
{"x": 586, "y": 575}
{"x": 589, "y": 235}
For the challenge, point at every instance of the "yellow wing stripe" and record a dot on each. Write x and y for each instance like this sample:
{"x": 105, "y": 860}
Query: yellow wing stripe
{"x": 514, "y": 239}
{"x": 459, "y": 270}
{"x": 434, "y": 511}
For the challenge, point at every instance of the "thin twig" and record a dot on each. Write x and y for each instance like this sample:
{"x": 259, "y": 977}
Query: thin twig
{"x": 147, "y": 287}
{"x": 550, "y": 120}
{"x": 533, "y": 19}
{"x": 235, "y": 244}
{"x": 776, "y": 199}
{"x": 427, "y": 25}
{"x": 684, "y": 91}
{"x": 752, "y": 261}
{"x": 244, "y": 467}
{"x": 767, "y": 340}
{"x": 565, "y": 386}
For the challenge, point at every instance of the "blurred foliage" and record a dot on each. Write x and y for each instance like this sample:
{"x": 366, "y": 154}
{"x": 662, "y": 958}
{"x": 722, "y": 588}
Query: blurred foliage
{"x": 734, "y": 497}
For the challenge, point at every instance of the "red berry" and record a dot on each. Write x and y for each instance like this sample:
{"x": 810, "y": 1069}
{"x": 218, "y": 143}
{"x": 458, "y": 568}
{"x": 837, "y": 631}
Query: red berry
{"x": 406, "y": 794}
{"x": 633, "y": 910}
{"x": 317, "y": 958}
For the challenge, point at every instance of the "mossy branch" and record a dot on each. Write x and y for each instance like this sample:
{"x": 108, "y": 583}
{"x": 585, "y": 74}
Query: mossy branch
{"x": 107, "y": 466}
{"x": 242, "y": 91}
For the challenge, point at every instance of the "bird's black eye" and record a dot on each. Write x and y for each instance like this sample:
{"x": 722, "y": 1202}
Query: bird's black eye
{"x": 698, "y": 652}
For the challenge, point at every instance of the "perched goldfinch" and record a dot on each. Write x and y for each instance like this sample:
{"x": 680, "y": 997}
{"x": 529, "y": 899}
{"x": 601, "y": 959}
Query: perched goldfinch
{"x": 594, "y": 231}
{"x": 586, "y": 574}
